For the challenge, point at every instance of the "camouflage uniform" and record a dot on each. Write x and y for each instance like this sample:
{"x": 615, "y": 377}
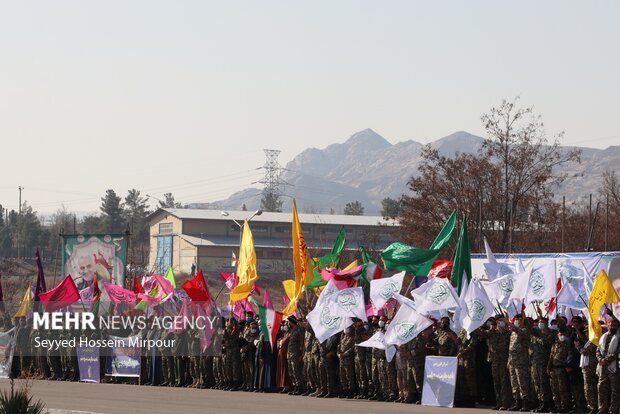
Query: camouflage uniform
{"x": 379, "y": 374}
{"x": 498, "y": 342}
{"x": 328, "y": 367}
{"x": 608, "y": 375}
{"x": 417, "y": 360}
{"x": 167, "y": 361}
{"x": 519, "y": 366}
{"x": 361, "y": 353}
{"x": 248, "y": 352}
{"x": 540, "y": 348}
{"x": 446, "y": 343}
{"x": 232, "y": 357}
{"x": 405, "y": 386}
{"x": 310, "y": 362}
{"x": 588, "y": 351}
{"x": 559, "y": 379}
{"x": 294, "y": 355}
{"x": 466, "y": 373}
{"x": 347, "y": 362}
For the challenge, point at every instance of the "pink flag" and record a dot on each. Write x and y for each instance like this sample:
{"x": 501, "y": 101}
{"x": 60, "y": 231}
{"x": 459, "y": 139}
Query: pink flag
{"x": 342, "y": 278}
{"x": 267, "y": 300}
{"x": 230, "y": 279}
{"x": 240, "y": 307}
{"x": 181, "y": 322}
{"x": 119, "y": 295}
{"x": 286, "y": 302}
{"x": 166, "y": 287}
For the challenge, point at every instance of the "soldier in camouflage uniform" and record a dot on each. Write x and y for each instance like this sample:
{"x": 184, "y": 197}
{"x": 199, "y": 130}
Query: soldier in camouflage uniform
{"x": 379, "y": 367}
{"x": 167, "y": 361}
{"x": 498, "y": 340}
{"x": 519, "y": 365}
{"x": 607, "y": 370}
{"x": 248, "y": 352}
{"x": 418, "y": 348}
{"x": 587, "y": 350}
{"x": 195, "y": 351}
{"x": 328, "y": 368}
{"x": 466, "y": 373}
{"x": 310, "y": 363}
{"x": 361, "y": 374}
{"x": 557, "y": 372}
{"x": 391, "y": 375}
{"x": 541, "y": 341}
{"x": 295, "y": 355}
{"x": 445, "y": 342}
{"x": 346, "y": 355}
{"x": 232, "y": 355}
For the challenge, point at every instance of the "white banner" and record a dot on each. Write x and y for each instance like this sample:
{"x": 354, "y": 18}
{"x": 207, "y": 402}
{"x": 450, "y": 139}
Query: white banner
{"x": 439, "y": 381}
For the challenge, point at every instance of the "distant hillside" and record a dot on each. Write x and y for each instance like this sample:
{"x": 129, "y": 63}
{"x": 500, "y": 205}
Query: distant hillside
{"x": 368, "y": 168}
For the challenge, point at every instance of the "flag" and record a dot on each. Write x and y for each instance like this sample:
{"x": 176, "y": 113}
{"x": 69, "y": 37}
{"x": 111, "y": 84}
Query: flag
{"x": 441, "y": 268}
{"x": 462, "y": 259}
{"x": 246, "y": 269}
{"x": 552, "y": 305}
{"x": 371, "y": 270}
{"x": 542, "y": 283}
{"x": 26, "y": 305}
{"x": 382, "y": 290}
{"x": 197, "y": 289}
{"x": 435, "y": 295}
{"x": 86, "y": 296}
{"x": 573, "y": 294}
{"x": 331, "y": 260}
{"x": 603, "y": 293}
{"x": 300, "y": 263}
{"x": 118, "y": 294}
{"x": 230, "y": 279}
{"x": 476, "y": 307}
{"x": 267, "y": 303}
{"x": 350, "y": 303}
{"x": 40, "y": 287}
{"x": 270, "y": 321}
{"x": 456, "y": 323}
{"x": 406, "y": 325}
{"x": 325, "y": 323}
{"x": 378, "y": 341}
{"x": 170, "y": 276}
{"x": 507, "y": 288}
{"x": 137, "y": 287}
{"x": 343, "y": 278}
{"x": 487, "y": 248}
{"x": 415, "y": 260}
{"x": 234, "y": 261}
{"x": 495, "y": 270}
{"x": 61, "y": 296}
{"x": 183, "y": 316}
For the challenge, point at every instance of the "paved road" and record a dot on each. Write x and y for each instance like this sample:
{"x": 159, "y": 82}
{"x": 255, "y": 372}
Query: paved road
{"x": 119, "y": 398}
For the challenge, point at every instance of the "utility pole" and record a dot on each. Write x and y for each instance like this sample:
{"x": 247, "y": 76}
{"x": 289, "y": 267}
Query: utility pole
{"x": 271, "y": 181}
{"x": 19, "y": 219}
{"x": 606, "y": 218}
{"x": 563, "y": 221}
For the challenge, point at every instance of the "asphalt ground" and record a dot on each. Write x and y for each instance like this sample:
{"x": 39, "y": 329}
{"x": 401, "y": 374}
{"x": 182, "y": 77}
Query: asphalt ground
{"x": 122, "y": 398}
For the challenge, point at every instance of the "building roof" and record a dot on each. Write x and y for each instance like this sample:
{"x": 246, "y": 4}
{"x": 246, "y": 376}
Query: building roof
{"x": 335, "y": 219}
{"x": 261, "y": 242}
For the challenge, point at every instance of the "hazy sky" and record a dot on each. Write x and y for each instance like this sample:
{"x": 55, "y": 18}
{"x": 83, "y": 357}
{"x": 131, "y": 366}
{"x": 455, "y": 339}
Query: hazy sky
{"x": 183, "y": 96}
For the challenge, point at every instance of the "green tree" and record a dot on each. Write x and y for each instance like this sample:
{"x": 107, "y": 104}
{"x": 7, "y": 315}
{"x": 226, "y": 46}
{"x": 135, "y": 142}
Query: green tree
{"x": 169, "y": 202}
{"x": 136, "y": 212}
{"x": 30, "y": 233}
{"x": 354, "y": 208}
{"x": 92, "y": 224}
{"x": 112, "y": 209}
{"x": 271, "y": 203}
{"x": 390, "y": 208}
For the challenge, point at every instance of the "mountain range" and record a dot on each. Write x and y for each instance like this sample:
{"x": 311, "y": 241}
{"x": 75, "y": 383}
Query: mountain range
{"x": 368, "y": 168}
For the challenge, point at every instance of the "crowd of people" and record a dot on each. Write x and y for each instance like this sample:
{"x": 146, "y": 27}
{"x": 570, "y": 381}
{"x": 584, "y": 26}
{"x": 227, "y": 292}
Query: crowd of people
{"x": 518, "y": 364}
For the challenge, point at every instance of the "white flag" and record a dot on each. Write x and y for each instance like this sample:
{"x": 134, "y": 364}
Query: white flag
{"x": 542, "y": 283}
{"x": 477, "y": 307}
{"x": 495, "y": 270}
{"x": 435, "y": 295}
{"x": 508, "y": 287}
{"x": 378, "y": 341}
{"x": 490, "y": 256}
{"x": 406, "y": 325}
{"x": 573, "y": 294}
{"x": 382, "y": 290}
{"x": 329, "y": 289}
{"x": 455, "y": 323}
{"x": 325, "y": 323}
{"x": 349, "y": 303}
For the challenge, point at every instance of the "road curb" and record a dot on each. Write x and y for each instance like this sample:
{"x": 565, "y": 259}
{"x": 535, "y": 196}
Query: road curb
{"x": 61, "y": 411}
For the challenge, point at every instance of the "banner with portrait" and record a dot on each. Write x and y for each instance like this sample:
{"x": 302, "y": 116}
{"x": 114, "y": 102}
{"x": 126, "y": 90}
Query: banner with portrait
{"x": 7, "y": 349}
{"x": 125, "y": 358}
{"x": 84, "y": 255}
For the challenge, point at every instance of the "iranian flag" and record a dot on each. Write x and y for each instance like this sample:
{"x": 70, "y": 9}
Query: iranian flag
{"x": 234, "y": 261}
{"x": 270, "y": 321}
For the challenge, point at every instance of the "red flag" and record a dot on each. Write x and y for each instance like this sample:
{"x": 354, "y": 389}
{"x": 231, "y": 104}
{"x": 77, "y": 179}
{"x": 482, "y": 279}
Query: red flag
{"x": 197, "y": 289}
{"x": 137, "y": 287}
{"x": 63, "y": 295}
{"x": 441, "y": 268}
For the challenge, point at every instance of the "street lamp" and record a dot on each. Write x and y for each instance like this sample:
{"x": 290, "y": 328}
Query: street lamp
{"x": 226, "y": 214}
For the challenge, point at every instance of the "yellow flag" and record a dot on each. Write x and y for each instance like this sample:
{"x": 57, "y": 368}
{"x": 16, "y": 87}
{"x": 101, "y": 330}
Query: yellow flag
{"x": 351, "y": 265}
{"x": 300, "y": 263}
{"x": 246, "y": 267}
{"x": 26, "y": 305}
{"x": 602, "y": 292}
{"x": 289, "y": 288}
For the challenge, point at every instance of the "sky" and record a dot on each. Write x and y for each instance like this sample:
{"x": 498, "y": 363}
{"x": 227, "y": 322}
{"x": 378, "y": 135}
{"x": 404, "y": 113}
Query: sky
{"x": 183, "y": 97}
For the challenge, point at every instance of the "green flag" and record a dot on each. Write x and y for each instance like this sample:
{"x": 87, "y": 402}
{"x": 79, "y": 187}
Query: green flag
{"x": 418, "y": 261}
{"x": 170, "y": 276}
{"x": 330, "y": 260}
{"x": 462, "y": 259}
